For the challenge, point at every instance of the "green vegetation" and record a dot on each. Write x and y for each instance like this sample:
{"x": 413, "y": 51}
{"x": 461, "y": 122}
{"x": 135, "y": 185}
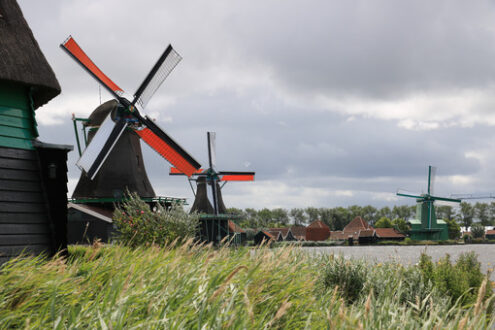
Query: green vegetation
{"x": 192, "y": 286}
{"x": 477, "y": 230}
{"x": 137, "y": 224}
{"x": 337, "y": 218}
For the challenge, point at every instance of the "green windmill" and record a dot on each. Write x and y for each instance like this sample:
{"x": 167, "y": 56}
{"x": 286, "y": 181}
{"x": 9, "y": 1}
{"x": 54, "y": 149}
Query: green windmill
{"x": 426, "y": 226}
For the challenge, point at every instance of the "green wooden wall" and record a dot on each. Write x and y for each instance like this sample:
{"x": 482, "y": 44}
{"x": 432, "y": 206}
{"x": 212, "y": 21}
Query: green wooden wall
{"x": 17, "y": 123}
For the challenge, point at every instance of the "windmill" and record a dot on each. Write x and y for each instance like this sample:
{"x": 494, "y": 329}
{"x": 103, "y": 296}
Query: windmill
{"x": 208, "y": 196}
{"x": 426, "y": 226}
{"x": 117, "y": 126}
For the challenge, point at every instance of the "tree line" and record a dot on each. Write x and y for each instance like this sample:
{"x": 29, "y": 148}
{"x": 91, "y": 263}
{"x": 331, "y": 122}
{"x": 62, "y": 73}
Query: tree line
{"x": 338, "y": 217}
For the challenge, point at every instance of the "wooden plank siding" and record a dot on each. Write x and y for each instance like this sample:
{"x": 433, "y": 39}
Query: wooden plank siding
{"x": 24, "y": 220}
{"x": 17, "y": 123}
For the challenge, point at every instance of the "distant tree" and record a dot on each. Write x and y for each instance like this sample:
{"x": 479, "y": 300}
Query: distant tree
{"x": 326, "y": 217}
{"x": 236, "y": 211}
{"x": 491, "y": 212}
{"x": 477, "y": 230}
{"x": 453, "y": 228}
{"x": 402, "y": 211}
{"x": 265, "y": 217}
{"x": 369, "y": 213}
{"x": 445, "y": 212}
{"x": 466, "y": 214}
{"x": 250, "y": 234}
{"x": 384, "y": 222}
{"x": 355, "y": 211}
{"x": 401, "y": 225}
{"x": 281, "y": 216}
{"x": 340, "y": 217}
{"x": 312, "y": 213}
{"x": 384, "y": 212}
{"x": 251, "y": 218}
{"x": 298, "y": 216}
{"x": 482, "y": 213}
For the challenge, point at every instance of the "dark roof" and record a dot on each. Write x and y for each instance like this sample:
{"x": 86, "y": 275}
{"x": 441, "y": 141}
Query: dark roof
{"x": 388, "y": 233}
{"x": 265, "y": 233}
{"x": 21, "y": 59}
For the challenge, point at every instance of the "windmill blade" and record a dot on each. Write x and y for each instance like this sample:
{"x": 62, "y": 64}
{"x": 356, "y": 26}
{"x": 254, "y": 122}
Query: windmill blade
{"x": 456, "y": 200}
{"x": 160, "y": 71}
{"x": 236, "y": 176}
{"x": 212, "y": 154}
{"x": 409, "y": 195}
{"x": 76, "y": 52}
{"x": 158, "y": 140}
{"x": 431, "y": 179}
{"x": 101, "y": 145}
{"x": 176, "y": 171}
{"x": 406, "y": 193}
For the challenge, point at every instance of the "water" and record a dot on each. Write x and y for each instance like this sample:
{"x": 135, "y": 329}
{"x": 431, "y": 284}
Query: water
{"x": 408, "y": 255}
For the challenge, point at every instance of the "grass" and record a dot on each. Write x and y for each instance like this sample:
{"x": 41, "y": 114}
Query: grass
{"x": 187, "y": 286}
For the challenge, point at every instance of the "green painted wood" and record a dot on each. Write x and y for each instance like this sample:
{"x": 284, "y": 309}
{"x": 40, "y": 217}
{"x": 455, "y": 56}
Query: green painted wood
{"x": 14, "y": 112}
{"x": 14, "y": 95}
{"x": 16, "y": 143}
{"x": 17, "y": 122}
{"x": 15, "y": 132}
{"x": 24, "y": 123}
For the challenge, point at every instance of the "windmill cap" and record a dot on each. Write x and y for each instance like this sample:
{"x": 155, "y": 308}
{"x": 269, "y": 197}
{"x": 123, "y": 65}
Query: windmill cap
{"x": 101, "y": 112}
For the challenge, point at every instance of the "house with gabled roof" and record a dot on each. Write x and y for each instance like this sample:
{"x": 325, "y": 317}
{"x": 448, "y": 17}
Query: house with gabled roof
{"x": 299, "y": 232}
{"x": 237, "y": 233}
{"x": 389, "y": 234}
{"x": 361, "y": 231}
{"x": 264, "y": 236}
{"x": 317, "y": 231}
{"x": 285, "y": 233}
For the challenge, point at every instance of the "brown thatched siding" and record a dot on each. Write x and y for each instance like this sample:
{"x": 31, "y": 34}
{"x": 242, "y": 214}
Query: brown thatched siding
{"x": 21, "y": 59}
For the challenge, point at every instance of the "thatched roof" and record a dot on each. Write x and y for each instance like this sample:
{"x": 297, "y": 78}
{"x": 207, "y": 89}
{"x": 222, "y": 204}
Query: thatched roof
{"x": 21, "y": 59}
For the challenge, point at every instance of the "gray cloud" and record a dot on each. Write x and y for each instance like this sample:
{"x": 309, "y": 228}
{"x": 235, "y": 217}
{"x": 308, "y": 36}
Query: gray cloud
{"x": 330, "y": 102}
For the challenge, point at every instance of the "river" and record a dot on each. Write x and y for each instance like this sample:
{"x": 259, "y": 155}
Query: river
{"x": 410, "y": 254}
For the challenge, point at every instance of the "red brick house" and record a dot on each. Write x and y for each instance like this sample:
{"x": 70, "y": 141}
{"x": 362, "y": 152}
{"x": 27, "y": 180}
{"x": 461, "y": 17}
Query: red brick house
{"x": 317, "y": 231}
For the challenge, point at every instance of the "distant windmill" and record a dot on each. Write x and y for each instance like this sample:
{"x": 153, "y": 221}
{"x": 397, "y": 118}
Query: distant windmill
{"x": 112, "y": 161}
{"x": 426, "y": 226}
{"x": 208, "y": 198}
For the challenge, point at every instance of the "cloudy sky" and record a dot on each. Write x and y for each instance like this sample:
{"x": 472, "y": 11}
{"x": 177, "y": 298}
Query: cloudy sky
{"x": 332, "y": 103}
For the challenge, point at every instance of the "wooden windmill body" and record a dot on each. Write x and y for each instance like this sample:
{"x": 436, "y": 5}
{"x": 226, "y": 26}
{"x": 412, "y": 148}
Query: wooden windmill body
{"x": 33, "y": 174}
{"x": 112, "y": 162}
{"x": 426, "y": 226}
{"x": 208, "y": 201}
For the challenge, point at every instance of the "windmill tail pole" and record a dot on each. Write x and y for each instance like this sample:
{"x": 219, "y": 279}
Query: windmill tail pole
{"x": 429, "y": 178}
{"x": 77, "y": 135}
